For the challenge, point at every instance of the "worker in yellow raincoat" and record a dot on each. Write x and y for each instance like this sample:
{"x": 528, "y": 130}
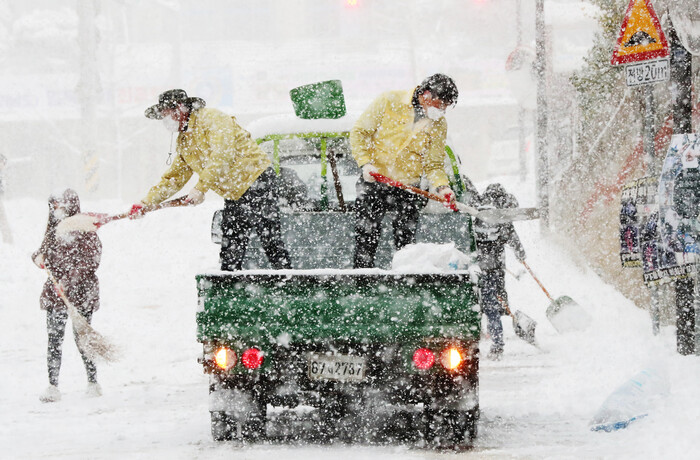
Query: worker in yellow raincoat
{"x": 228, "y": 162}
{"x": 401, "y": 135}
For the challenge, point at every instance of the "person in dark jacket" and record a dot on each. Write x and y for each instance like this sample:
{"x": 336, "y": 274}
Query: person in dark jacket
{"x": 490, "y": 242}
{"x": 73, "y": 259}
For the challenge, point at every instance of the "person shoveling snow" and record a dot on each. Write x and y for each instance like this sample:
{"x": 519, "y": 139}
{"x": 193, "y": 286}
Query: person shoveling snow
{"x": 490, "y": 241}
{"x": 230, "y": 163}
{"x": 71, "y": 262}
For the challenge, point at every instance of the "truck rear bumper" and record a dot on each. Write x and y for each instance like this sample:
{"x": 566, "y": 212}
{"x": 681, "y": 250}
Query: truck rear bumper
{"x": 390, "y": 377}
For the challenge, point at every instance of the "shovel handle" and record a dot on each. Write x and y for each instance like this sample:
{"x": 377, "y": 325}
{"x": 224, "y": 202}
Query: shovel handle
{"x": 538, "y": 281}
{"x": 182, "y": 201}
{"x": 394, "y": 183}
{"x": 418, "y": 191}
{"x": 505, "y": 305}
{"x": 75, "y": 315}
{"x": 336, "y": 180}
{"x": 61, "y": 294}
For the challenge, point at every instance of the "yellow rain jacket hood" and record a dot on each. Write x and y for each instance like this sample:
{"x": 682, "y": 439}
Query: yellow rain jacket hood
{"x": 386, "y": 136}
{"x": 222, "y": 153}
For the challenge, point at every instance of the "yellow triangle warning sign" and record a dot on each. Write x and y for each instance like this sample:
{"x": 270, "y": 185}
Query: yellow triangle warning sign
{"x": 641, "y": 37}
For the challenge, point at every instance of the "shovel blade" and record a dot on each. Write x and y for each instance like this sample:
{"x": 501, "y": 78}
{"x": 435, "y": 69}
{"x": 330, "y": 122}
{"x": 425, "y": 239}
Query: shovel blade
{"x": 504, "y": 216}
{"x": 566, "y": 315}
{"x": 524, "y": 327}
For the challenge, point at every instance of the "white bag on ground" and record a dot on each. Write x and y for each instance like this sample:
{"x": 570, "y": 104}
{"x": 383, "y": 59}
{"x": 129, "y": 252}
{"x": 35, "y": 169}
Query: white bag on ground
{"x": 632, "y": 400}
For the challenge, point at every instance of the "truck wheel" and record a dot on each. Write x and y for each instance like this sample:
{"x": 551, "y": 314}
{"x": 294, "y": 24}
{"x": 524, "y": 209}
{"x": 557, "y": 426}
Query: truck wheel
{"x": 222, "y": 426}
{"x": 254, "y": 428}
{"x": 472, "y": 422}
{"x": 452, "y": 429}
{"x": 333, "y": 408}
{"x": 225, "y": 428}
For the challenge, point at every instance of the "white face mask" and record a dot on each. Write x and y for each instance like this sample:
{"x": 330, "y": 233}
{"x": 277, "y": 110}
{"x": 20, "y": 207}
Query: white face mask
{"x": 171, "y": 125}
{"x": 60, "y": 213}
{"x": 434, "y": 113}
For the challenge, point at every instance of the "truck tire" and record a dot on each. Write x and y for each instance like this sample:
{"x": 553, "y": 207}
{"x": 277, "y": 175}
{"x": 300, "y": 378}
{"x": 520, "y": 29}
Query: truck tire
{"x": 254, "y": 427}
{"x": 333, "y": 408}
{"x": 472, "y": 423}
{"x": 452, "y": 429}
{"x": 225, "y": 428}
{"x": 254, "y": 430}
{"x": 222, "y": 427}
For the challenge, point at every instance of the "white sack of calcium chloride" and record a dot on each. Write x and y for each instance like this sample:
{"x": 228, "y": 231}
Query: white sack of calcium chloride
{"x": 635, "y": 399}
{"x": 429, "y": 258}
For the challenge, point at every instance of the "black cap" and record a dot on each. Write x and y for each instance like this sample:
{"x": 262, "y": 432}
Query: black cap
{"x": 442, "y": 87}
{"x": 172, "y": 99}
{"x": 496, "y": 195}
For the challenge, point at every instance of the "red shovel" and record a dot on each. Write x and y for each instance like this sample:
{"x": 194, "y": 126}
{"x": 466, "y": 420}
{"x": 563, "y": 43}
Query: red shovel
{"x": 419, "y": 191}
{"x": 490, "y": 216}
{"x": 90, "y": 222}
{"x": 182, "y": 201}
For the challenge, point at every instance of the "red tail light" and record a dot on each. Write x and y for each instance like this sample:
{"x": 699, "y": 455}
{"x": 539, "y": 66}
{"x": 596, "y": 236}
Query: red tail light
{"x": 252, "y": 358}
{"x": 423, "y": 358}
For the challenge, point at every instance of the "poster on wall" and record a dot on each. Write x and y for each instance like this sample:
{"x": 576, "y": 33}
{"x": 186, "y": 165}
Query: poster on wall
{"x": 630, "y": 255}
{"x": 639, "y": 216}
{"x": 687, "y": 203}
{"x": 672, "y": 261}
{"x": 653, "y": 256}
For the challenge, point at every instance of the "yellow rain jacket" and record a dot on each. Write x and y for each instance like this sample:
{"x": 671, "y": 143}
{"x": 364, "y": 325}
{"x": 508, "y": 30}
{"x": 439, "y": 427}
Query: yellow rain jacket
{"x": 386, "y": 136}
{"x": 222, "y": 153}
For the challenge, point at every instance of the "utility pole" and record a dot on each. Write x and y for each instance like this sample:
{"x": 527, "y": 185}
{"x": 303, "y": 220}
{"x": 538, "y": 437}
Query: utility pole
{"x": 542, "y": 151}
{"x": 88, "y": 88}
{"x": 521, "y": 110}
{"x": 681, "y": 80}
{"x": 649, "y": 130}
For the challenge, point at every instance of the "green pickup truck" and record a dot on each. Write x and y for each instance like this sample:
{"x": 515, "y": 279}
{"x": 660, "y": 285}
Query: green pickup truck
{"x": 359, "y": 355}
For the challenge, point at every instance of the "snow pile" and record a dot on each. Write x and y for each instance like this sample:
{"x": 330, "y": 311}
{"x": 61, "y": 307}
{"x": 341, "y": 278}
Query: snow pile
{"x": 429, "y": 258}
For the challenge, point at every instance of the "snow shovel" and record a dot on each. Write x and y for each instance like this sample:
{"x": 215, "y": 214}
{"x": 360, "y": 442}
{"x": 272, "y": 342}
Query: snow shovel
{"x": 490, "y": 216}
{"x": 91, "y": 342}
{"x": 90, "y": 222}
{"x": 523, "y": 325}
{"x": 564, "y": 313}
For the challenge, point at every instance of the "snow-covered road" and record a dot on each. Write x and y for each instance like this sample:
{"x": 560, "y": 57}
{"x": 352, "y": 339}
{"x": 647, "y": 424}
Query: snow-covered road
{"x": 536, "y": 403}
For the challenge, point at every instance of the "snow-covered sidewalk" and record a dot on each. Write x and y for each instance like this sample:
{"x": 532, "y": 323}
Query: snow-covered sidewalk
{"x": 536, "y": 403}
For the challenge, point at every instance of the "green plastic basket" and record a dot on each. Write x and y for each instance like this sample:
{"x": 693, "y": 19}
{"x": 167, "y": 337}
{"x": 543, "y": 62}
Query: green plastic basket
{"x": 319, "y": 100}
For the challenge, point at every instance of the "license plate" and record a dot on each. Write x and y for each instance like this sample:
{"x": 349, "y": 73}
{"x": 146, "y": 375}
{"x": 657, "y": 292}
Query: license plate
{"x": 343, "y": 368}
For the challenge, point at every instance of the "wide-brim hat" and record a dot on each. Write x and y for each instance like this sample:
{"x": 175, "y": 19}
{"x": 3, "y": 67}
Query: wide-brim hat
{"x": 442, "y": 87}
{"x": 171, "y": 99}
